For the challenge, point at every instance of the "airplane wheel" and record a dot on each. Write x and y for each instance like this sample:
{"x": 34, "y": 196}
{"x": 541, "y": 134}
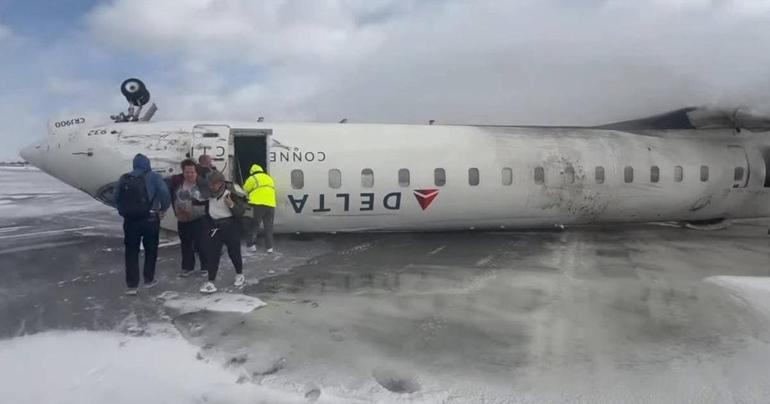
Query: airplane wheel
{"x": 135, "y": 91}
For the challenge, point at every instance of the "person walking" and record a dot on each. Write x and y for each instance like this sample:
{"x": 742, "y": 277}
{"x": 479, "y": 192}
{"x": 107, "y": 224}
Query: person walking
{"x": 260, "y": 188}
{"x": 142, "y": 198}
{"x": 223, "y": 229}
{"x": 189, "y": 193}
{"x": 205, "y": 166}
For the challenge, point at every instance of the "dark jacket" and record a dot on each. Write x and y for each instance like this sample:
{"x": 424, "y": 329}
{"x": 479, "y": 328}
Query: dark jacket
{"x": 157, "y": 190}
{"x": 203, "y": 172}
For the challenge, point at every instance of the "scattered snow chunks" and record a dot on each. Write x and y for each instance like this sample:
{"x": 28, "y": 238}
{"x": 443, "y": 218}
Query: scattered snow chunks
{"x": 238, "y": 360}
{"x": 751, "y": 291}
{"x": 195, "y": 330}
{"x": 87, "y": 367}
{"x": 750, "y": 297}
{"x": 313, "y": 392}
{"x": 168, "y": 295}
{"x": 273, "y": 368}
{"x": 220, "y": 302}
{"x": 396, "y": 381}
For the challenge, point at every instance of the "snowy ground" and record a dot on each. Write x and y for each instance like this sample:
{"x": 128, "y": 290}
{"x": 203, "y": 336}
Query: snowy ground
{"x": 631, "y": 314}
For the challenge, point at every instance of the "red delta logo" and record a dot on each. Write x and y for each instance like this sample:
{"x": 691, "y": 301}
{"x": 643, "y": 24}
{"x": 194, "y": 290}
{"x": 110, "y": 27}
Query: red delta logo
{"x": 425, "y": 197}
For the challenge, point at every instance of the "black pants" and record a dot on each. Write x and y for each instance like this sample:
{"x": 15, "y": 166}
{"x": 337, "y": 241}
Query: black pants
{"x": 223, "y": 232}
{"x": 147, "y": 232}
{"x": 191, "y": 237}
{"x": 265, "y": 215}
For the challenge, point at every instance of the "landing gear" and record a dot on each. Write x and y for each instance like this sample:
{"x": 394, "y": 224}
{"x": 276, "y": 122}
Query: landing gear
{"x": 138, "y": 96}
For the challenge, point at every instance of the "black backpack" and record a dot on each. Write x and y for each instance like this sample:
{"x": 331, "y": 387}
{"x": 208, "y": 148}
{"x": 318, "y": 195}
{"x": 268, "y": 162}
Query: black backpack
{"x": 134, "y": 201}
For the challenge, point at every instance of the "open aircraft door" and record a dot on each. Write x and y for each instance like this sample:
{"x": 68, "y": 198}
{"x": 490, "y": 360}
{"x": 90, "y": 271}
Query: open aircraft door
{"x": 213, "y": 140}
{"x": 250, "y": 146}
{"x": 740, "y": 165}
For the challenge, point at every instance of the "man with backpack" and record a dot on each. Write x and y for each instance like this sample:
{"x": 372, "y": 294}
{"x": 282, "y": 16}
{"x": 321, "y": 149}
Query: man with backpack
{"x": 142, "y": 198}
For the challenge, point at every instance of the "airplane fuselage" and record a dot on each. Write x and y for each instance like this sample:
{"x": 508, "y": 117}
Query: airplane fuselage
{"x": 374, "y": 177}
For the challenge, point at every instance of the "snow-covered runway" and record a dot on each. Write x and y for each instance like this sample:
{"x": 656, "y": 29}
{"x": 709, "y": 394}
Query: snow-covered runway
{"x": 628, "y": 314}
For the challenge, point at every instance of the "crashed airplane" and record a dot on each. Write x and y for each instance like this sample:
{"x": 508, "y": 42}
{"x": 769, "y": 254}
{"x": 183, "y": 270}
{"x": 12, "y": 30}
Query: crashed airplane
{"x": 692, "y": 166}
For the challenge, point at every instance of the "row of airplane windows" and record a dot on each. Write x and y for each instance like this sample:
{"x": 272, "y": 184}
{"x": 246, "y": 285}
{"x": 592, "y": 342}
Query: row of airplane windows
{"x": 439, "y": 176}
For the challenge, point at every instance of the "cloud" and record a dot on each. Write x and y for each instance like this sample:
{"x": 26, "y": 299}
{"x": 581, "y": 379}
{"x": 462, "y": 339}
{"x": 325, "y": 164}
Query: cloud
{"x": 542, "y": 63}
{"x": 529, "y": 62}
{"x": 525, "y": 62}
{"x": 67, "y": 86}
{"x": 247, "y": 31}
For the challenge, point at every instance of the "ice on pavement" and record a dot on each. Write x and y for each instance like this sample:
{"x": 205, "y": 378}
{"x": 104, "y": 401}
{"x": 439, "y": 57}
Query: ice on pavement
{"x": 105, "y": 367}
{"x": 221, "y": 302}
{"x": 615, "y": 314}
{"x": 749, "y": 292}
{"x": 20, "y": 185}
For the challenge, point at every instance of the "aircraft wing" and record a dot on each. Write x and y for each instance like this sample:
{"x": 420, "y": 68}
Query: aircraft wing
{"x": 697, "y": 118}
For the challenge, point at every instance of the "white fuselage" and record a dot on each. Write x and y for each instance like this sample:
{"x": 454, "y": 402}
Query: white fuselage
{"x": 370, "y": 177}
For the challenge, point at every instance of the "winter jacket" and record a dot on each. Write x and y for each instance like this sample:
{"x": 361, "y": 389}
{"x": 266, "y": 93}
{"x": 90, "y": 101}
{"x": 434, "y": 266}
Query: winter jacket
{"x": 157, "y": 190}
{"x": 260, "y": 187}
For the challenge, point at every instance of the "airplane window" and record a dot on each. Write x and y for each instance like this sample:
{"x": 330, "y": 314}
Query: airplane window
{"x": 367, "y": 178}
{"x": 539, "y": 175}
{"x": 297, "y": 179}
{"x": 654, "y": 174}
{"x": 704, "y": 173}
{"x": 738, "y": 174}
{"x": 439, "y": 177}
{"x": 335, "y": 178}
{"x": 678, "y": 174}
{"x": 628, "y": 174}
{"x": 600, "y": 175}
{"x": 507, "y": 176}
{"x": 473, "y": 176}
{"x": 569, "y": 175}
{"x": 403, "y": 177}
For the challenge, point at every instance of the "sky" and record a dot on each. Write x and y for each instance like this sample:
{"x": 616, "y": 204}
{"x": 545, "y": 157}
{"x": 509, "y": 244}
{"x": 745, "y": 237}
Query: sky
{"x": 569, "y": 62}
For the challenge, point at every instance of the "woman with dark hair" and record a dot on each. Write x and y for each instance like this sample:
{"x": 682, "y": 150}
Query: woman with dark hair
{"x": 223, "y": 229}
{"x": 189, "y": 193}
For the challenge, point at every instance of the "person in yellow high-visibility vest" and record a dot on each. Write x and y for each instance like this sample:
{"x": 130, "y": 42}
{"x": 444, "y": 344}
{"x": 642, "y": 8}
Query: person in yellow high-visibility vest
{"x": 261, "y": 190}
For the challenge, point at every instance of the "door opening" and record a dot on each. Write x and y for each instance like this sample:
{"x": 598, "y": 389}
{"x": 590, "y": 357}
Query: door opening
{"x": 250, "y": 147}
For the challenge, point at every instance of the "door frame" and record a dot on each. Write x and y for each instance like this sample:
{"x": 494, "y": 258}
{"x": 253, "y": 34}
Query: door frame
{"x": 202, "y": 139}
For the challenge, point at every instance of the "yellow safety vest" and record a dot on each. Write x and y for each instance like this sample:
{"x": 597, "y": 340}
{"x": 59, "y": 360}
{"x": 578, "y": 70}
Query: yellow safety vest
{"x": 260, "y": 187}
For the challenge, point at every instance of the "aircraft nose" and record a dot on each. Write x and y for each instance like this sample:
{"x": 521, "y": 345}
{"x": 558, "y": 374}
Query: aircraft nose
{"x": 25, "y": 153}
{"x": 30, "y": 154}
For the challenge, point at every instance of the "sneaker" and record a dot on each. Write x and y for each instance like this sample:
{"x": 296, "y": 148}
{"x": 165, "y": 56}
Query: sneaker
{"x": 239, "y": 280}
{"x": 150, "y": 284}
{"x": 131, "y": 291}
{"x": 203, "y": 272}
{"x": 269, "y": 250}
{"x": 186, "y": 274}
{"x": 208, "y": 287}
{"x": 253, "y": 248}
